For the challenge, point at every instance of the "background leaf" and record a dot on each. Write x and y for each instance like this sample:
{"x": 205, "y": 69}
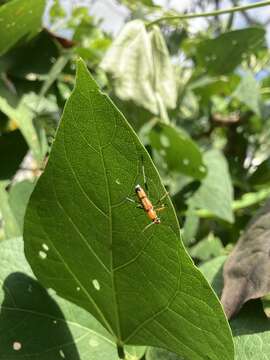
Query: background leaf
{"x": 251, "y": 328}
{"x": 95, "y": 162}
{"x": 215, "y": 193}
{"x": 262, "y": 174}
{"x": 19, "y": 195}
{"x": 23, "y": 116}
{"x": 13, "y": 148}
{"x": 141, "y": 68}
{"x": 10, "y": 225}
{"x": 19, "y": 19}
{"x": 246, "y": 271}
{"x": 180, "y": 153}
{"x": 248, "y": 92}
{"x": 224, "y": 53}
{"x": 207, "y": 248}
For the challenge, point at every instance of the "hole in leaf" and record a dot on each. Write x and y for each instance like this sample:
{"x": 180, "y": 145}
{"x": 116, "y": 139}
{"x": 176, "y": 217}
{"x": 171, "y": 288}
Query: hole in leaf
{"x": 61, "y": 352}
{"x": 17, "y": 346}
{"x": 93, "y": 342}
{"x": 164, "y": 141}
{"x": 42, "y": 255}
{"x": 202, "y": 169}
{"x": 96, "y": 284}
{"x": 185, "y": 161}
{"x": 45, "y": 247}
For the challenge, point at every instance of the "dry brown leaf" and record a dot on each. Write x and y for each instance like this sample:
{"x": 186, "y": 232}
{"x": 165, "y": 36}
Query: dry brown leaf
{"x": 247, "y": 270}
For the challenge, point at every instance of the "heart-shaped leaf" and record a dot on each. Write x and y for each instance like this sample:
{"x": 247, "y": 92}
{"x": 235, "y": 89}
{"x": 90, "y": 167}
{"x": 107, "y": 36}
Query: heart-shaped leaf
{"x": 86, "y": 241}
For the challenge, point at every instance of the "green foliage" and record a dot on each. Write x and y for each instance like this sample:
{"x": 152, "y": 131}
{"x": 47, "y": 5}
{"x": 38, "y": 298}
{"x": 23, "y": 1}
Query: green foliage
{"x": 159, "y": 354}
{"x": 12, "y": 151}
{"x": 248, "y": 92}
{"x": 180, "y": 153}
{"x": 250, "y": 328}
{"x": 261, "y": 175}
{"x": 207, "y": 248}
{"x": 107, "y": 233}
{"x": 19, "y": 20}
{"x": 215, "y": 193}
{"x": 10, "y": 226}
{"x": 224, "y": 53}
{"x": 141, "y": 69}
{"x": 19, "y": 195}
{"x": 198, "y": 101}
{"x": 23, "y": 116}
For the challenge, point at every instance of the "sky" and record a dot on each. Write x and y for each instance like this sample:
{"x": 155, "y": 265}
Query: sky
{"x": 113, "y": 15}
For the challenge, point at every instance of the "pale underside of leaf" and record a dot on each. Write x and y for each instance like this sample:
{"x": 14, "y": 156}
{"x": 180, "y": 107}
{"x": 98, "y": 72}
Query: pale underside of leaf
{"x": 141, "y": 68}
{"x": 42, "y": 324}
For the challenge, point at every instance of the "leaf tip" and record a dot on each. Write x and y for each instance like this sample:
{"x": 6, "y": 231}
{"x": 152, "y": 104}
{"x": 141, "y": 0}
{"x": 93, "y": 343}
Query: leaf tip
{"x": 83, "y": 76}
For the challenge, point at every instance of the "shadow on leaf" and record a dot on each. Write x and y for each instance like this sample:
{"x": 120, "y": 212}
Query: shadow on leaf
{"x": 32, "y": 324}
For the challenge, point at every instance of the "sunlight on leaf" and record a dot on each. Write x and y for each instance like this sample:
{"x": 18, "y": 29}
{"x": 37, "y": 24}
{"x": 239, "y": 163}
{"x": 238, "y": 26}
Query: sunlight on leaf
{"x": 86, "y": 241}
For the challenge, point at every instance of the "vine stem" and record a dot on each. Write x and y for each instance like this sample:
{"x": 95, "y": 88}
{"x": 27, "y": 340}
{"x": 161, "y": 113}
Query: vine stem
{"x": 210, "y": 13}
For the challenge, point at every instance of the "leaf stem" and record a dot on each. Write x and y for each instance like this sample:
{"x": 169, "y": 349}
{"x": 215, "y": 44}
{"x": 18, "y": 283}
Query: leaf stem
{"x": 210, "y": 13}
{"x": 121, "y": 352}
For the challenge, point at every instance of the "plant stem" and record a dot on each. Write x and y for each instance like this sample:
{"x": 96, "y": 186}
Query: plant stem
{"x": 211, "y": 13}
{"x": 121, "y": 352}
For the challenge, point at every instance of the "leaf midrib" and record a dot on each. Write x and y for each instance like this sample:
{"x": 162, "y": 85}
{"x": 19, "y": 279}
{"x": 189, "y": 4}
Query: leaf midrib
{"x": 116, "y": 306}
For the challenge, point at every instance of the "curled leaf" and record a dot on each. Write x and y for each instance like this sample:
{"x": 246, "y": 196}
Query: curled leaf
{"x": 141, "y": 69}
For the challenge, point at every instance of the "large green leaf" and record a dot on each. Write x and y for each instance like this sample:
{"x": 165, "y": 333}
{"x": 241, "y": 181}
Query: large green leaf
{"x": 251, "y": 328}
{"x": 86, "y": 241}
{"x": 222, "y": 54}
{"x": 38, "y": 324}
{"x": 178, "y": 150}
{"x": 216, "y": 192}
{"x": 19, "y": 19}
{"x": 141, "y": 68}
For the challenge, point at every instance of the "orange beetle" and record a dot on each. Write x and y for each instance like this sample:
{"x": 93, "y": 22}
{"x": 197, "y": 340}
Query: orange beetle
{"x": 147, "y": 205}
